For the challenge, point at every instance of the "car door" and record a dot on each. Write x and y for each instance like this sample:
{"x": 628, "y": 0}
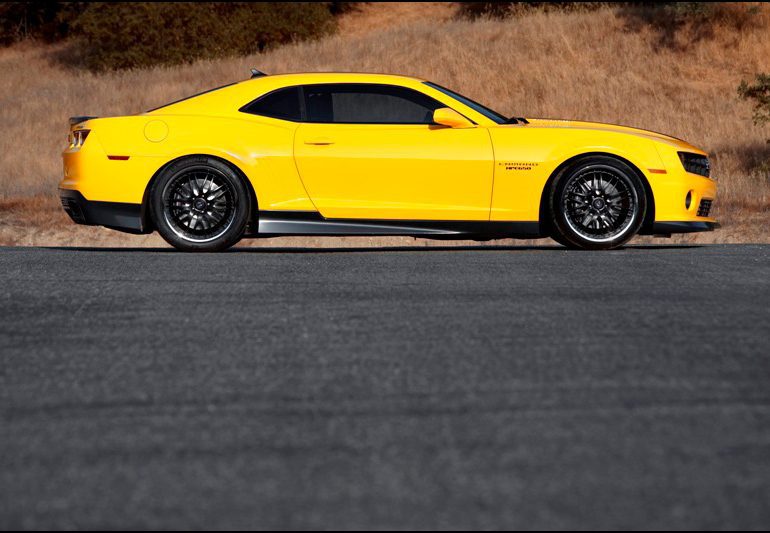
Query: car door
{"x": 371, "y": 151}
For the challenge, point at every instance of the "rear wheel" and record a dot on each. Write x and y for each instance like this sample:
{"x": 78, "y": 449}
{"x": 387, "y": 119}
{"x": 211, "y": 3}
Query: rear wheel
{"x": 597, "y": 204}
{"x": 200, "y": 205}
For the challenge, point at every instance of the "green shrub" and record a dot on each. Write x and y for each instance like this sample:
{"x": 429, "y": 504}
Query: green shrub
{"x": 475, "y": 10}
{"x": 759, "y": 94}
{"x": 676, "y": 24}
{"x": 679, "y": 24}
{"x": 338, "y": 8}
{"x": 143, "y": 34}
{"x": 47, "y": 20}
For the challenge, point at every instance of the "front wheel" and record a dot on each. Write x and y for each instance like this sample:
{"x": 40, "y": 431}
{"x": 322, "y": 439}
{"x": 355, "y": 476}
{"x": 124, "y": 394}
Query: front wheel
{"x": 597, "y": 204}
{"x": 200, "y": 205}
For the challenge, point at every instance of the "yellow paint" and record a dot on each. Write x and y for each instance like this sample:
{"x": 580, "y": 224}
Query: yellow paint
{"x": 156, "y": 131}
{"x": 476, "y": 170}
{"x": 396, "y": 172}
{"x": 449, "y": 117}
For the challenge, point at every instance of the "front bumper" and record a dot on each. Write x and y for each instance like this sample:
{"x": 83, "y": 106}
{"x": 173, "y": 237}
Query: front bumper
{"x": 667, "y": 228}
{"x": 680, "y": 196}
{"x": 114, "y": 215}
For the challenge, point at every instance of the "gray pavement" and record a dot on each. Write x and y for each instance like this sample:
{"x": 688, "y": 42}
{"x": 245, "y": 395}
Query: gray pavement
{"x": 481, "y": 387}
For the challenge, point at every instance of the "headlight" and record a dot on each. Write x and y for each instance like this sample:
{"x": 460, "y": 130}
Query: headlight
{"x": 695, "y": 163}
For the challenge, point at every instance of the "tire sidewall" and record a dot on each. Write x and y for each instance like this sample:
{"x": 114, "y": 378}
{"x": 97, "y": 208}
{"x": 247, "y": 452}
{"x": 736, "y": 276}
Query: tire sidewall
{"x": 242, "y": 209}
{"x": 566, "y": 234}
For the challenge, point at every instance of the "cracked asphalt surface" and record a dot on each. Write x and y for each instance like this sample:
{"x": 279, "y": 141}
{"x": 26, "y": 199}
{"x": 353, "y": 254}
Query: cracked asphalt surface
{"x": 477, "y": 387}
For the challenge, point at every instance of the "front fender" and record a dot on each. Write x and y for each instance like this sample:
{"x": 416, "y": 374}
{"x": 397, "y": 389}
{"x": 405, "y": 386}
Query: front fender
{"x": 525, "y": 159}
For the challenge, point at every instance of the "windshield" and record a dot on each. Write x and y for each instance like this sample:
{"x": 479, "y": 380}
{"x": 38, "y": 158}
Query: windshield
{"x": 490, "y": 114}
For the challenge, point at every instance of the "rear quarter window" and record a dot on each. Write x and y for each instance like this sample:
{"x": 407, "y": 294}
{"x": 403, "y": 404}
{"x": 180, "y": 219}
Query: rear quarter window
{"x": 283, "y": 104}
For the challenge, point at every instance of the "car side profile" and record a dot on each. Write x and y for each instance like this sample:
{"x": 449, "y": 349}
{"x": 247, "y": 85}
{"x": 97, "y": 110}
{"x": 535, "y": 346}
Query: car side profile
{"x": 372, "y": 154}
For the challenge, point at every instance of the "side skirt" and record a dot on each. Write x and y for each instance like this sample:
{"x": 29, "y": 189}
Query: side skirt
{"x": 309, "y": 223}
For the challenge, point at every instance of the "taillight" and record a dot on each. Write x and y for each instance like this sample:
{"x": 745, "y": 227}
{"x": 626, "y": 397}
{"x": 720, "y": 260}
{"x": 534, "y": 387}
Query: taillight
{"x": 78, "y": 138}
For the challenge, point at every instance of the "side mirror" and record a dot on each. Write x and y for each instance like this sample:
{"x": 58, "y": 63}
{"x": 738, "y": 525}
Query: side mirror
{"x": 451, "y": 118}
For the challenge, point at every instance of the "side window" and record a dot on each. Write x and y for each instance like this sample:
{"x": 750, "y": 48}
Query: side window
{"x": 282, "y": 103}
{"x": 361, "y": 103}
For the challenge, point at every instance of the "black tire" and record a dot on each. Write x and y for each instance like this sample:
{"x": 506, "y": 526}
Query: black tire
{"x": 597, "y": 203}
{"x": 199, "y": 204}
{"x": 561, "y": 240}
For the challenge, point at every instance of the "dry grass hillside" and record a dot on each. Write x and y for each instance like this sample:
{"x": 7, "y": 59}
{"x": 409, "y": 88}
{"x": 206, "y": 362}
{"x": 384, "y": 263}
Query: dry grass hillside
{"x": 567, "y": 65}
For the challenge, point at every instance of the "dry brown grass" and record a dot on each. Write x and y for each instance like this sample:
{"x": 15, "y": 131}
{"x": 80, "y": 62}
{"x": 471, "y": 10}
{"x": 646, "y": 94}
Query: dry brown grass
{"x": 578, "y": 65}
{"x": 378, "y": 16}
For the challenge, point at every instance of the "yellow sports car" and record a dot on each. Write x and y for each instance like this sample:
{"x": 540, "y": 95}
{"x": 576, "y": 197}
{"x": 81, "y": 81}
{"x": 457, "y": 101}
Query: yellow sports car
{"x": 372, "y": 154}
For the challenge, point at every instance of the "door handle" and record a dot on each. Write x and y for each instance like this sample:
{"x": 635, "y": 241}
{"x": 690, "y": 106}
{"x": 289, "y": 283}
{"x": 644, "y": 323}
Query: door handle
{"x": 319, "y": 141}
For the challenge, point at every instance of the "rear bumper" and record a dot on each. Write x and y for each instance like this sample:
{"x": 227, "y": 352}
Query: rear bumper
{"x": 114, "y": 215}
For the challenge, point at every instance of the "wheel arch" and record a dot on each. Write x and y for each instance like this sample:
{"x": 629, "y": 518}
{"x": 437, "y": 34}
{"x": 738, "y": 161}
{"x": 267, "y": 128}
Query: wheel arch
{"x": 649, "y": 217}
{"x": 147, "y": 222}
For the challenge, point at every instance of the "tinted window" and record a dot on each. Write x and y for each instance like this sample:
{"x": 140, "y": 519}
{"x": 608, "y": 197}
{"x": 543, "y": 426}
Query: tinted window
{"x": 357, "y": 103}
{"x": 283, "y": 104}
{"x": 484, "y": 110}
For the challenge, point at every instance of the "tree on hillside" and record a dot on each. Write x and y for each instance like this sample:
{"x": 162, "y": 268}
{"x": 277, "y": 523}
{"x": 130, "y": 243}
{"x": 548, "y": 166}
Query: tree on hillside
{"x": 678, "y": 25}
{"x": 47, "y": 20}
{"x": 115, "y": 35}
{"x": 144, "y": 34}
{"x": 758, "y": 93}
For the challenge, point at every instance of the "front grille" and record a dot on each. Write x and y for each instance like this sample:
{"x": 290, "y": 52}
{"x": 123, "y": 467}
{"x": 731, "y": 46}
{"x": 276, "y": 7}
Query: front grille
{"x": 704, "y": 208}
{"x": 72, "y": 208}
{"x": 695, "y": 163}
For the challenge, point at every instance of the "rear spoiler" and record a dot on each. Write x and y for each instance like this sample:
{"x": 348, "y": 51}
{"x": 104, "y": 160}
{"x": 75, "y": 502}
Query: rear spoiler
{"x": 74, "y": 121}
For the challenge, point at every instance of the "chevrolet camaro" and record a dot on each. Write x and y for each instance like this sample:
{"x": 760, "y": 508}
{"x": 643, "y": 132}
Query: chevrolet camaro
{"x": 371, "y": 154}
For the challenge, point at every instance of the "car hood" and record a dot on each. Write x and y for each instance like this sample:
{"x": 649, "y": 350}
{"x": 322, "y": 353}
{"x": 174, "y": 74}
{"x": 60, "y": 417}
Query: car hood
{"x": 615, "y": 128}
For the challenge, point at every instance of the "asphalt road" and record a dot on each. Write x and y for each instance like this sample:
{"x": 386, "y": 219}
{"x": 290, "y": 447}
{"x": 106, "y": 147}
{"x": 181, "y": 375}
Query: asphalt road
{"x": 398, "y": 388}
